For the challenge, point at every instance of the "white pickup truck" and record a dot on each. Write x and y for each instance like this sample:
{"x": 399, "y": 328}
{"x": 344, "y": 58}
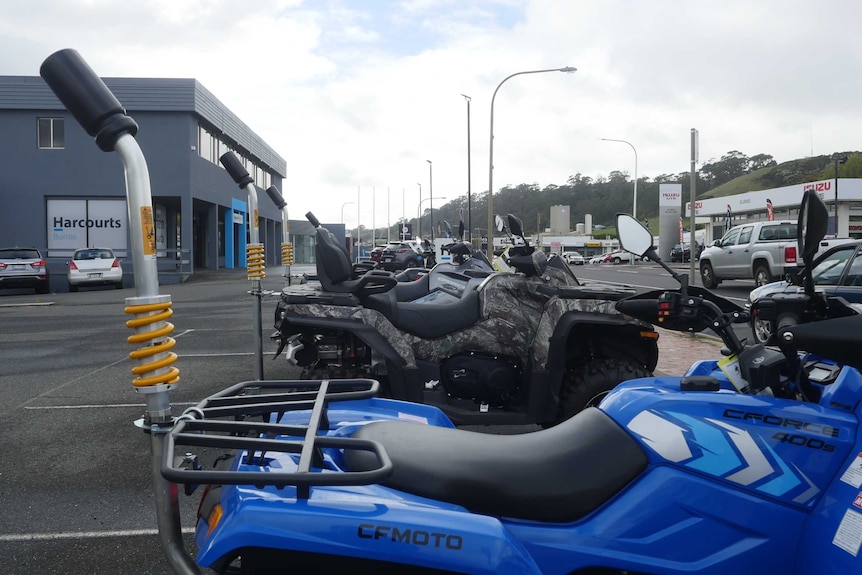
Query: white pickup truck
{"x": 762, "y": 251}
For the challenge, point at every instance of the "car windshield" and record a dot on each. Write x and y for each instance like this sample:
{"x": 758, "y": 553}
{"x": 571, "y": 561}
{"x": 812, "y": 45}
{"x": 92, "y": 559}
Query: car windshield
{"x": 93, "y": 254}
{"x": 828, "y": 270}
{"x": 19, "y": 254}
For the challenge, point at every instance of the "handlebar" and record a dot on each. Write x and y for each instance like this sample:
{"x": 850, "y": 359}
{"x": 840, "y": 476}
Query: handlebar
{"x": 276, "y": 197}
{"x": 311, "y": 218}
{"x": 235, "y": 169}
{"x": 87, "y": 97}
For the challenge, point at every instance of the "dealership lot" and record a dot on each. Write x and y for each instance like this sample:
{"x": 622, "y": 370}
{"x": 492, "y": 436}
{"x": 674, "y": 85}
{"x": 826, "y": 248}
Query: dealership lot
{"x": 74, "y": 471}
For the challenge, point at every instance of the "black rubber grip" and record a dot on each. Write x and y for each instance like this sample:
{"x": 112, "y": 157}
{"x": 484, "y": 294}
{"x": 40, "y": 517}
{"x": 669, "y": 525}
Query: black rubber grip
{"x": 236, "y": 170}
{"x": 276, "y": 197}
{"x": 311, "y": 218}
{"x": 87, "y": 97}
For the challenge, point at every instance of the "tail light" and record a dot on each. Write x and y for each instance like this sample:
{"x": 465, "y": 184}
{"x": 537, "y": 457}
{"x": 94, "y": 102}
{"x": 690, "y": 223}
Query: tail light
{"x": 39, "y": 264}
{"x": 790, "y": 254}
{"x": 72, "y": 265}
{"x": 116, "y": 263}
{"x": 2, "y": 266}
{"x": 401, "y": 250}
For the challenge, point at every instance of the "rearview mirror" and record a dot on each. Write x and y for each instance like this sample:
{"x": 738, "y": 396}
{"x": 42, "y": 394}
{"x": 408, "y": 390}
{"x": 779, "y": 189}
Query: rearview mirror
{"x": 498, "y": 221}
{"x": 515, "y": 225}
{"x": 811, "y": 229}
{"x": 633, "y": 236}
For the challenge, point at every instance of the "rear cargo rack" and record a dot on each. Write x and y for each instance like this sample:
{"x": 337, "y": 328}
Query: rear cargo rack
{"x": 201, "y": 426}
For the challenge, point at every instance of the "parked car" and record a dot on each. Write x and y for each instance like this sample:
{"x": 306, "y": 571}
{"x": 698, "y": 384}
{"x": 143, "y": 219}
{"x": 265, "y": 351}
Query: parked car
{"x": 94, "y": 267}
{"x": 376, "y": 254}
{"x": 573, "y": 258}
{"x": 762, "y": 251}
{"x": 23, "y": 268}
{"x": 401, "y": 255}
{"x": 836, "y": 272}
{"x": 680, "y": 254}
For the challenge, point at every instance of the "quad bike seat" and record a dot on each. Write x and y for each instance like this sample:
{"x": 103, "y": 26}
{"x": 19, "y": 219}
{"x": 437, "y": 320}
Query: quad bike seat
{"x": 337, "y": 274}
{"x": 423, "y": 317}
{"x": 555, "y": 475}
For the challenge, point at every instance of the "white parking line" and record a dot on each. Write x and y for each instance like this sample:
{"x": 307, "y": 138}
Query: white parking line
{"x": 12, "y": 537}
{"x": 99, "y": 406}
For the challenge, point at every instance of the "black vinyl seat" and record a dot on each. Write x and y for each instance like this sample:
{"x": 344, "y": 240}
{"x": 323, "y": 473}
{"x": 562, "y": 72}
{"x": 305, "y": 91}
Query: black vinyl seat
{"x": 427, "y": 320}
{"x": 558, "y": 474}
{"x": 337, "y": 274}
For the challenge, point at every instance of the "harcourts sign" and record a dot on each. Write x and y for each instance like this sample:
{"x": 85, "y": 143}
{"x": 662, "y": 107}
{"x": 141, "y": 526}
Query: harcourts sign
{"x": 73, "y": 224}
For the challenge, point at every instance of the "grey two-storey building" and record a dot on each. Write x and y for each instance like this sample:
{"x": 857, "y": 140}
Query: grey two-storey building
{"x": 59, "y": 192}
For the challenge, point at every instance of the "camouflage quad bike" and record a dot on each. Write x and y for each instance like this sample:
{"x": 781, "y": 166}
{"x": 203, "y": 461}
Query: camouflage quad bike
{"x": 535, "y": 346}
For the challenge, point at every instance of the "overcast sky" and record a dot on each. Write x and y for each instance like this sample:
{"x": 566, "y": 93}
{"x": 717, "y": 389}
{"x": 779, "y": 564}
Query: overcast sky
{"x": 357, "y": 95}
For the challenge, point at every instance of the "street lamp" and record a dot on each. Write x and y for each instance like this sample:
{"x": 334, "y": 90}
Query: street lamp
{"x": 418, "y": 219}
{"x": 837, "y": 160}
{"x": 567, "y": 69}
{"x": 635, "y": 203}
{"x": 469, "y": 193}
{"x": 419, "y": 207}
{"x": 431, "y": 194}
{"x": 342, "y": 209}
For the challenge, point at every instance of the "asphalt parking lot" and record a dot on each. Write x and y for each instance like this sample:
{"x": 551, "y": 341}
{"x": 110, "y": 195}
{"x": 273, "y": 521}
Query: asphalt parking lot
{"x": 74, "y": 472}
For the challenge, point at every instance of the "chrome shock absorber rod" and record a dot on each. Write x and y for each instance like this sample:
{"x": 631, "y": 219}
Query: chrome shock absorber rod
{"x": 102, "y": 116}
{"x": 286, "y": 247}
{"x": 255, "y": 260}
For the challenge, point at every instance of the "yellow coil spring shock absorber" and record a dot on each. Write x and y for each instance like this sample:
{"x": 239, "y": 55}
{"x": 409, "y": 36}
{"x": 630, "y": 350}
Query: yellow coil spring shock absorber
{"x": 255, "y": 261}
{"x": 155, "y": 359}
{"x": 286, "y": 254}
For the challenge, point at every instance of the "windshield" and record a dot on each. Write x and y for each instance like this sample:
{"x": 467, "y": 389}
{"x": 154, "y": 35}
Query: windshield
{"x": 828, "y": 270}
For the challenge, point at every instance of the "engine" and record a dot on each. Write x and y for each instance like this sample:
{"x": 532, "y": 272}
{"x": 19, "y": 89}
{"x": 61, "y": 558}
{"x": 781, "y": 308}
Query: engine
{"x": 492, "y": 379}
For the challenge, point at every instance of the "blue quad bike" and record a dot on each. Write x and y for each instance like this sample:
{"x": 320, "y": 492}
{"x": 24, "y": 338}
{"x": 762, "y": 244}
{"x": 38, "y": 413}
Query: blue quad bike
{"x": 749, "y": 464}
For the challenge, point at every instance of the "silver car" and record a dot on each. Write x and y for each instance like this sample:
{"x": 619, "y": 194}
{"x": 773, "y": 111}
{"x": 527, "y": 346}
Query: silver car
{"x": 23, "y": 268}
{"x": 94, "y": 266}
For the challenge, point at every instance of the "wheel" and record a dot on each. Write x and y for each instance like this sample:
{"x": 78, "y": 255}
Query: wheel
{"x": 411, "y": 263}
{"x": 586, "y": 384}
{"x": 73, "y": 288}
{"x": 762, "y": 275}
{"x": 707, "y": 276}
{"x": 119, "y": 284}
{"x": 43, "y": 288}
{"x": 617, "y": 260}
{"x": 762, "y": 331}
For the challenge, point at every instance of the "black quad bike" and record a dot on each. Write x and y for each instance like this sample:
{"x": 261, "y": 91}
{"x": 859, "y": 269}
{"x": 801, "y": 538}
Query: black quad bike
{"x": 531, "y": 347}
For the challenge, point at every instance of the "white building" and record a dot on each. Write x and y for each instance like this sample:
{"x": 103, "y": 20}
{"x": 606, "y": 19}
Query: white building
{"x": 752, "y": 207}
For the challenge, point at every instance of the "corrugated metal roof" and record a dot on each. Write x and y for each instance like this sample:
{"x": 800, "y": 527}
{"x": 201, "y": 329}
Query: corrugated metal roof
{"x": 150, "y": 95}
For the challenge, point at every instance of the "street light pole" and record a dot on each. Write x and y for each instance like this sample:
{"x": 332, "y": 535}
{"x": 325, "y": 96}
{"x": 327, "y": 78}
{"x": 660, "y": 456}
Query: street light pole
{"x": 419, "y": 219}
{"x": 342, "y": 209}
{"x": 419, "y": 207}
{"x": 837, "y": 160}
{"x": 469, "y": 192}
{"x": 635, "y": 203}
{"x": 567, "y": 69}
{"x": 431, "y": 194}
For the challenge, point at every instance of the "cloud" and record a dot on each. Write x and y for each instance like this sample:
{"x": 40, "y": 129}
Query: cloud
{"x": 360, "y": 95}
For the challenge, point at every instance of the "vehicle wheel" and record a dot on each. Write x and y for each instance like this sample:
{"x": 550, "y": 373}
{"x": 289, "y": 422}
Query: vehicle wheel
{"x": 73, "y": 288}
{"x": 617, "y": 260}
{"x": 707, "y": 276}
{"x": 762, "y": 275}
{"x": 762, "y": 331}
{"x": 43, "y": 288}
{"x": 411, "y": 263}
{"x": 119, "y": 284}
{"x": 586, "y": 384}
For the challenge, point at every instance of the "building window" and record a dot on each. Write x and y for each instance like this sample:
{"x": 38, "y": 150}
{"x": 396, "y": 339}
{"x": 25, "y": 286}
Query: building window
{"x": 51, "y": 133}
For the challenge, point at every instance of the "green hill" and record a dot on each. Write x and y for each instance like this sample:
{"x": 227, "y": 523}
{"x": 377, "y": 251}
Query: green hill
{"x": 789, "y": 173}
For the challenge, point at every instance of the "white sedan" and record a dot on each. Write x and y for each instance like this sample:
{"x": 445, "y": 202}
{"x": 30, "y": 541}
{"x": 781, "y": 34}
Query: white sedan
{"x": 574, "y": 258}
{"x": 94, "y": 266}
